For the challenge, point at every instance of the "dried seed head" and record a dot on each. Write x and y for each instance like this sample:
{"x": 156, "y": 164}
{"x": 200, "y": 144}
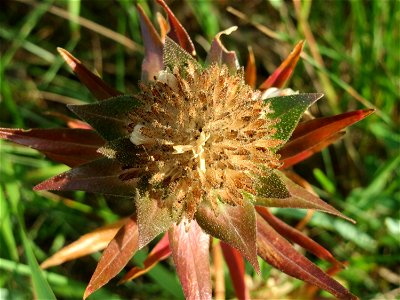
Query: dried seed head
{"x": 205, "y": 135}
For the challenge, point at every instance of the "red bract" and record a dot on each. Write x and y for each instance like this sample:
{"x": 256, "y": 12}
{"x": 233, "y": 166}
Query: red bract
{"x": 198, "y": 152}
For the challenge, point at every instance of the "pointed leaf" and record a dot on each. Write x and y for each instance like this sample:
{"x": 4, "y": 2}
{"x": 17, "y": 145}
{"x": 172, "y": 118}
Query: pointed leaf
{"x": 272, "y": 186}
{"x": 115, "y": 257}
{"x": 71, "y": 122}
{"x": 289, "y": 109}
{"x": 309, "y": 133}
{"x": 104, "y": 176}
{"x": 330, "y": 124}
{"x": 280, "y": 253}
{"x": 289, "y": 161}
{"x": 124, "y": 151}
{"x": 94, "y": 83}
{"x": 296, "y": 236}
{"x": 300, "y": 198}
{"x": 153, "y": 218}
{"x": 109, "y": 117}
{"x": 285, "y": 70}
{"x": 235, "y": 225}
{"x": 153, "y": 47}
{"x": 69, "y": 146}
{"x": 87, "y": 244}
{"x": 218, "y": 54}
{"x": 236, "y": 266}
{"x": 250, "y": 72}
{"x": 163, "y": 25}
{"x": 178, "y": 32}
{"x": 190, "y": 251}
{"x": 174, "y": 55}
{"x": 160, "y": 252}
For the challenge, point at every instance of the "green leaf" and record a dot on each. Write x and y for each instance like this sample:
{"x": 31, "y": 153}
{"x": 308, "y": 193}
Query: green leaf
{"x": 271, "y": 186}
{"x": 124, "y": 151}
{"x": 235, "y": 225}
{"x": 289, "y": 110}
{"x": 109, "y": 117}
{"x": 299, "y": 198}
{"x": 153, "y": 218}
{"x": 175, "y": 56}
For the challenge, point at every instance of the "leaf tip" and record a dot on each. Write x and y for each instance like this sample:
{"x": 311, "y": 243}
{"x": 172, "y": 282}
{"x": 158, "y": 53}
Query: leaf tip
{"x": 68, "y": 58}
{"x": 88, "y": 292}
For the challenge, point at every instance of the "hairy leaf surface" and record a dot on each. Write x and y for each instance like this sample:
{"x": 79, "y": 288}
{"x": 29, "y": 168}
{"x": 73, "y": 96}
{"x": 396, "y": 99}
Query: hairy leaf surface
{"x": 190, "y": 251}
{"x": 235, "y": 225}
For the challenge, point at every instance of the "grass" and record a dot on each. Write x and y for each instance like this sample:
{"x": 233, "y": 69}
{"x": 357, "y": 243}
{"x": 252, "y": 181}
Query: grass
{"x": 351, "y": 55}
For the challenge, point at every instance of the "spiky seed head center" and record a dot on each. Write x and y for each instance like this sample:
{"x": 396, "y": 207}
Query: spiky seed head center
{"x": 206, "y": 135}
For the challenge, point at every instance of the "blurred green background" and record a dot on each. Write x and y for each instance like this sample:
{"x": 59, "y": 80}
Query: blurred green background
{"x": 351, "y": 55}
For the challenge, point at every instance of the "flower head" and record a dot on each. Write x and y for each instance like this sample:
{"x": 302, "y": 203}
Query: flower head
{"x": 201, "y": 153}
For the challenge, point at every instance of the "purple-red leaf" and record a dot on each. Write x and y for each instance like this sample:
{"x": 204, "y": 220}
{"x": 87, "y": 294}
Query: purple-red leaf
{"x": 235, "y": 263}
{"x": 153, "y": 47}
{"x": 235, "y": 225}
{"x": 190, "y": 251}
{"x": 220, "y": 55}
{"x": 280, "y": 253}
{"x": 160, "y": 252}
{"x": 154, "y": 217}
{"x": 310, "y": 133}
{"x": 104, "y": 176}
{"x": 87, "y": 244}
{"x": 115, "y": 257}
{"x": 285, "y": 70}
{"x": 70, "y": 146}
{"x": 289, "y": 161}
{"x": 296, "y": 236}
{"x": 300, "y": 198}
{"x": 178, "y": 32}
{"x": 94, "y": 83}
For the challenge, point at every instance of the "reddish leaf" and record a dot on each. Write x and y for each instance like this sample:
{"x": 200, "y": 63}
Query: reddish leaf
{"x": 330, "y": 125}
{"x": 285, "y": 70}
{"x": 94, "y": 83}
{"x": 303, "y": 155}
{"x": 312, "y": 290}
{"x": 100, "y": 176}
{"x": 296, "y": 236}
{"x": 280, "y": 253}
{"x": 69, "y": 146}
{"x": 220, "y": 55}
{"x": 115, "y": 257}
{"x": 71, "y": 122}
{"x": 190, "y": 251}
{"x": 310, "y": 133}
{"x": 235, "y": 225}
{"x": 250, "y": 72}
{"x": 178, "y": 32}
{"x": 154, "y": 217}
{"x": 153, "y": 47}
{"x": 160, "y": 252}
{"x": 300, "y": 198}
{"x": 163, "y": 25}
{"x": 87, "y": 244}
{"x": 235, "y": 263}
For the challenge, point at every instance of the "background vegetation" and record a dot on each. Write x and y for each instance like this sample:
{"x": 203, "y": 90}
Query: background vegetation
{"x": 351, "y": 54}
